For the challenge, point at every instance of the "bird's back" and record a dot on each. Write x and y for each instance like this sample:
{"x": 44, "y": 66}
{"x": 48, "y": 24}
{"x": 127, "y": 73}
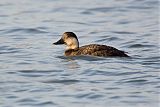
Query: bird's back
{"x": 96, "y": 50}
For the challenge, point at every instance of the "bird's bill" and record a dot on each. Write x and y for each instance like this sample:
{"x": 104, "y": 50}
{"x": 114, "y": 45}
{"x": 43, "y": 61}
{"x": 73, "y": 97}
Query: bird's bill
{"x": 59, "y": 42}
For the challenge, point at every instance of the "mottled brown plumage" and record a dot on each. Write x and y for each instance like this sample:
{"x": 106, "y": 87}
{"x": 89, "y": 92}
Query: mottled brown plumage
{"x": 95, "y": 50}
{"x": 73, "y": 49}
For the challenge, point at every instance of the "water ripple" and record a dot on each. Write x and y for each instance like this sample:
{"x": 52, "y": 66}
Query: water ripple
{"x": 35, "y": 73}
{"x": 66, "y": 81}
{"x": 32, "y": 102}
{"x": 87, "y": 58}
{"x": 8, "y": 50}
{"x": 101, "y": 9}
{"x": 123, "y": 32}
{"x": 108, "y": 39}
{"x": 23, "y": 30}
{"x": 140, "y": 46}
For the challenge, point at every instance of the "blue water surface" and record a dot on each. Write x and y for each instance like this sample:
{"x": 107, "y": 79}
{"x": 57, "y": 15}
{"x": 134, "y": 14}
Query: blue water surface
{"x": 35, "y": 73}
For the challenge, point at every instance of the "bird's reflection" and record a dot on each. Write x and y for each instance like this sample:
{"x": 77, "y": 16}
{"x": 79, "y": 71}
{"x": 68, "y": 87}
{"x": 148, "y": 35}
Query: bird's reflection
{"x": 72, "y": 64}
{"x": 69, "y": 62}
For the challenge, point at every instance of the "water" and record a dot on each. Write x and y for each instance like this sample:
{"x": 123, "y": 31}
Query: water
{"x": 34, "y": 73}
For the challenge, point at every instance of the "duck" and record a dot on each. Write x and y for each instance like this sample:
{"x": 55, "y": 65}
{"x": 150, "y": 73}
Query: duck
{"x": 72, "y": 48}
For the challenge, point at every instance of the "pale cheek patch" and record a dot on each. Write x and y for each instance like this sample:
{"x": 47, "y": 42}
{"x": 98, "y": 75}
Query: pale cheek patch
{"x": 69, "y": 42}
{"x": 72, "y": 43}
